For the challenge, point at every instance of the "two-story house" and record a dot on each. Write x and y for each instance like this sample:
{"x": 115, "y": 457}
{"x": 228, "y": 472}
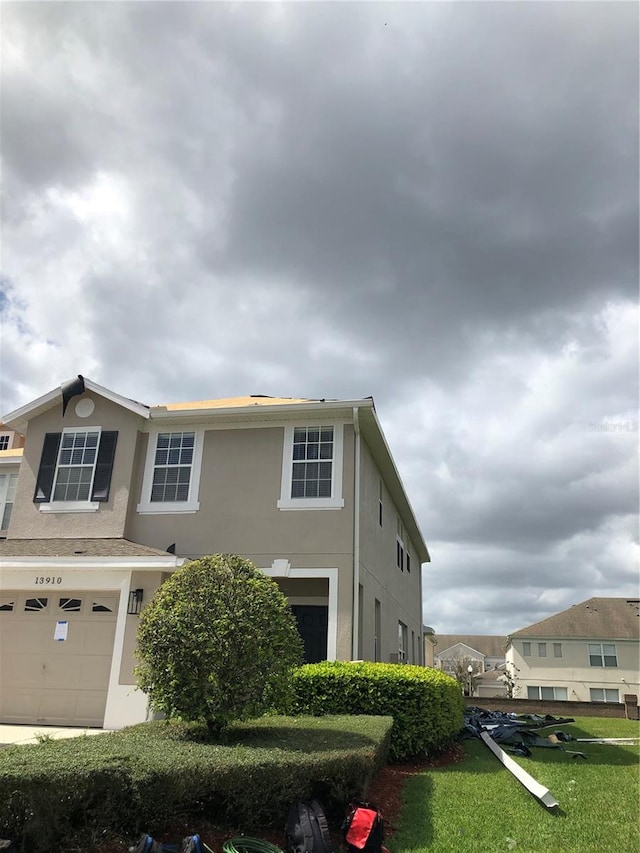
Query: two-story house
{"x": 484, "y": 653}
{"x": 587, "y": 653}
{"x": 113, "y": 495}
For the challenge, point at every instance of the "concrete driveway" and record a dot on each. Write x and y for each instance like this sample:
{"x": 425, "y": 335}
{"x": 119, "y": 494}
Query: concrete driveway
{"x": 32, "y": 734}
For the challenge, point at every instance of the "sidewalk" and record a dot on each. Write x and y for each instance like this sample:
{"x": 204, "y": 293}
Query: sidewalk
{"x": 33, "y": 734}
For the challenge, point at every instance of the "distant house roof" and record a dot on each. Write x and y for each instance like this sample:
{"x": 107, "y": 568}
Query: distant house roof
{"x": 612, "y": 618}
{"x": 487, "y": 645}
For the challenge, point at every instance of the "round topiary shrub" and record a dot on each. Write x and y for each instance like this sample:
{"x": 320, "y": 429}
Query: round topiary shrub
{"x": 218, "y": 642}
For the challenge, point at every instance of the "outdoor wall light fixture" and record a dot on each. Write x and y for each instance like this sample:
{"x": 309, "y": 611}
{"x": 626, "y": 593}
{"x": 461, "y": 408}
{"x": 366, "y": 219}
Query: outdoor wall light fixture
{"x": 135, "y": 602}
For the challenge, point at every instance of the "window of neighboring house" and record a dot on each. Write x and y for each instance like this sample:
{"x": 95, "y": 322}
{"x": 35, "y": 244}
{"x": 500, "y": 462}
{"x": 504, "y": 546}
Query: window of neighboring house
{"x": 5, "y": 437}
{"x": 172, "y": 472}
{"x": 526, "y": 650}
{"x": 312, "y": 468}
{"x": 557, "y": 650}
{"x": 380, "y": 503}
{"x": 542, "y": 650}
{"x": 599, "y": 694}
{"x": 75, "y": 470}
{"x": 558, "y": 693}
{"x": 8, "y": 484}
{"x": 602, "y": 654}
{"x": 402, "y": 642}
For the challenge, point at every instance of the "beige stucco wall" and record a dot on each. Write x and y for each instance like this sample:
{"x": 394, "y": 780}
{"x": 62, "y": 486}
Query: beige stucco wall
{"x": 400, "y": 593}
{"x": 148, "y": 582}
{"x": 573, "y": 671}
{"x": 108, "y": 521}
{"x": 239, "y": 490}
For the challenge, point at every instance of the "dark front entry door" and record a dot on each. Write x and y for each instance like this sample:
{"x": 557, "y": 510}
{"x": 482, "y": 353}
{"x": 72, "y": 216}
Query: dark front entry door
{"x": 312, "y": 624}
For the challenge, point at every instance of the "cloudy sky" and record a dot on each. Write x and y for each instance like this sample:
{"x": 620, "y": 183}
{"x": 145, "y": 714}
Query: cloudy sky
{"x": 432, "y": 203}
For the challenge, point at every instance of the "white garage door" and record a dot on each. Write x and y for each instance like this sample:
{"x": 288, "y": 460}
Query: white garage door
{"x": 55, "y": 656}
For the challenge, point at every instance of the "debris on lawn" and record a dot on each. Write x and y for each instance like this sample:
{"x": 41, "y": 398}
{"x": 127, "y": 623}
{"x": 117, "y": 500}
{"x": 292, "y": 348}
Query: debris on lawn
{"x": 539, "y": 791}
{"x": 517, "y": 733}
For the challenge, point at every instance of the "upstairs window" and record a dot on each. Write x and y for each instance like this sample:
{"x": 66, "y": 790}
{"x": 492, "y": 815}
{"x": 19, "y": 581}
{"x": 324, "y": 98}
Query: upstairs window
{"x": 4, "y": 440}
{"x": 526, "y": 649}
{"x": 76, "y": 465}
{"x": 172, "y": 466}
{"x": 312, "y": 468}
{"x": 172, "y": 472}
{"x": 75, "y": 469}
{"x": 602, "y": 654}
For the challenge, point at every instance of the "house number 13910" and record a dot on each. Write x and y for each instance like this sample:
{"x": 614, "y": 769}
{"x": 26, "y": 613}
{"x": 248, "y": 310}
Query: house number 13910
{"x": 49, "y": 580}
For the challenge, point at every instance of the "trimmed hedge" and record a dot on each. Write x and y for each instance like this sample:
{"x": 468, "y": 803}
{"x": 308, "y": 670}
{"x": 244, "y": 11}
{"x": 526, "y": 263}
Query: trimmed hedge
{"x": 62, "y": 793}
{"x": 426, "y": 705}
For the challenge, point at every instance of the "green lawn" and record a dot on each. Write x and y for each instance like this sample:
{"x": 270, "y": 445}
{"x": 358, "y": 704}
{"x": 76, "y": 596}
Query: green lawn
{"x": 477, "y": 806}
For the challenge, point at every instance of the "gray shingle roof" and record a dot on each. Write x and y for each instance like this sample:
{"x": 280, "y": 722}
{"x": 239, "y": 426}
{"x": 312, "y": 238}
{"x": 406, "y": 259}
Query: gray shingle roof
{"x": 76, "y": 548}
{"x": 596, "y": 618}
{"x": 488, "y": 645}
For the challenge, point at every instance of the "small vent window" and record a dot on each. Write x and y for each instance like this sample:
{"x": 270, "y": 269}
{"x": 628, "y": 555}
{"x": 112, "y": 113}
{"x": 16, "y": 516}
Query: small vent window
{"x": 7, "y": 606}
{"x": 32, "y": 605}
{"x": 70, "y": 605}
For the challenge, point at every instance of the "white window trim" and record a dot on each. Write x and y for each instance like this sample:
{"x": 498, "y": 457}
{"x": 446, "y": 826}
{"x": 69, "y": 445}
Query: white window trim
{"x": 192, "y": 504}
{"x": 335, "y": 501}
{"x": 73, "y": 506}
{"x": 69, "y": 506}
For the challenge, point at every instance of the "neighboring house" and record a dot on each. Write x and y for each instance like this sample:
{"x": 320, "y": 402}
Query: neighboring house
{"x": 484, "y": 653}
{"x": 588, "y": 653}
{"x": 11, "y": 444}
{"x": 430, "y": 643}
{"x": 113, "y": 495}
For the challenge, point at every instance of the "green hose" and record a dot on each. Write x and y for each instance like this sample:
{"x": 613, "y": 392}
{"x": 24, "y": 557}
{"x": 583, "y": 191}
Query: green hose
{"x": 246, "y": 844}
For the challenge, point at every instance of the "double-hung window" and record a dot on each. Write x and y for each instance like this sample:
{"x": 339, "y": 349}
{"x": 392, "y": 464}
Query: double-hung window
{"x": 172, "y": 472}
{"x": 602, "y": 654}
{"x": 172, "y": 467}
{"x": 76, "y": 465}
{"x": 8, "y": 483}
{"x": 312, "y": 467}
{"x": 75, "y": 469}
{"x": 402, "y": 642}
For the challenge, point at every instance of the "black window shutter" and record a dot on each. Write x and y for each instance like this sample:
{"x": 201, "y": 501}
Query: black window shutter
{"x": 47, "y": 470}
{"x": 104, "y": 466}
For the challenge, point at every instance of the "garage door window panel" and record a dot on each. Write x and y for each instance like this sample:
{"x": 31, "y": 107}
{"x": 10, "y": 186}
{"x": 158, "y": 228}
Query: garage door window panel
{"x": 36, "y": 605}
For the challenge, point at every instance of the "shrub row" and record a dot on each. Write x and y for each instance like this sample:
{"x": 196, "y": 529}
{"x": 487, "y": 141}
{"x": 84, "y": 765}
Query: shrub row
{"x": 123, "y": 783}
{"x": 426, "y": 705}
